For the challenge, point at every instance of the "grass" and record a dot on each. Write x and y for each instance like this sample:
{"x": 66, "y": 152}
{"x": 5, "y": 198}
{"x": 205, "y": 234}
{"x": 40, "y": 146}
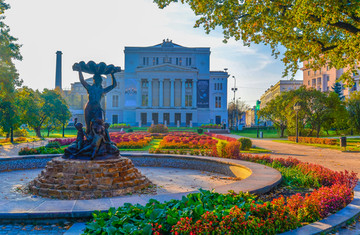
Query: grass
{"x": 353, "y": 144}
{"x": 28, "y": 139}
{"x": 153, "y": 144}
{"x": 256, "y": 150}
{"x": 252, "y": 133}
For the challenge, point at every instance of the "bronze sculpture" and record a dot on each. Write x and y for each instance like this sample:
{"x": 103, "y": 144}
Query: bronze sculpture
{"x": 97, "y": 141}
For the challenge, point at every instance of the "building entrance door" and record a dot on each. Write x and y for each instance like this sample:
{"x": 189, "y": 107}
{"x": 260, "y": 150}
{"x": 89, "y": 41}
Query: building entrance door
{"x": 167, "y": 118}
{"x": 155, "y": 118}
{"x": 217, "y": 119}
{"x": 177, "y": 118}
{"x": 188, "y": 118}
{"x": 143, "y": 119}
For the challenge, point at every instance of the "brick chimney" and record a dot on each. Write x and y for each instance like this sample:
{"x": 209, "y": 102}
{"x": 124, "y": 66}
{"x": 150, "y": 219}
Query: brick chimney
{"x": 58, "y": 70}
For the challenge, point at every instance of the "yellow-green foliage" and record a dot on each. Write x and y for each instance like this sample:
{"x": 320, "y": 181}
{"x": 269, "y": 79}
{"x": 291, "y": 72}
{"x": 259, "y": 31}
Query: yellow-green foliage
{"x": 220, "y": 147}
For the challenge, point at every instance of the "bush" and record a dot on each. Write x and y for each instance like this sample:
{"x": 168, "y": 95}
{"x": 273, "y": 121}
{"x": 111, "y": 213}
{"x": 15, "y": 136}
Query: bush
{"x": 220, "y": 148}
{"x": 232, "y": 149}
{"x": 159, "y": 128}
{"x": 21, "y": 133}
{"x": 246, "y": 143}
{"x": 200, "y": 131}
{"x": 119, "y": 126}
{"x": 28, "y": 151}
{"x": 53, "y": 144}
{"x": 130, "y": 130}
{"x": 313, "y": 140}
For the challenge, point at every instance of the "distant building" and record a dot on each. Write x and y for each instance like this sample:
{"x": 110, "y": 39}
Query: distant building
{"x": 325, "y": 78}
{"x": 250, "y": 119}
{"x": 164, "y": 83}
{"x": 277, "y": 89}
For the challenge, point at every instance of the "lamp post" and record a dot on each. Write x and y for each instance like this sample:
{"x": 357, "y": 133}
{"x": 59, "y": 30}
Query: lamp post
{"x": 234, "y": 89}
{"x": 297, "y": 108}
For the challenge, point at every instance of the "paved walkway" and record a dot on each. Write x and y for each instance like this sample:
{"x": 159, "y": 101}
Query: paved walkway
{"x": 333, "y": 159}
{"x": 13, "y": 149}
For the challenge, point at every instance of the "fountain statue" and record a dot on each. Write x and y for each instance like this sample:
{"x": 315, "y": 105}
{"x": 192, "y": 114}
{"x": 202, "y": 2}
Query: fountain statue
{"x": 91, "y": 166}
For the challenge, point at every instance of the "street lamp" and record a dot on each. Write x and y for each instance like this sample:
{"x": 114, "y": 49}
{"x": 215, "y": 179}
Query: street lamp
{"x": 297, "y": 108}
{"x": 234, "y": 89}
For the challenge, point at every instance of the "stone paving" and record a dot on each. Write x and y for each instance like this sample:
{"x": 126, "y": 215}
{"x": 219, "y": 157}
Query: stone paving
{"x": 29, "y": 229}
{"x": 330, "y": 158}
{"x": 13, "y": 149}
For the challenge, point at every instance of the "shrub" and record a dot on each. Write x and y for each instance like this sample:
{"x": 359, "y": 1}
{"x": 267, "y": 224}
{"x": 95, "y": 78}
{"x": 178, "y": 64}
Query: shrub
{"x": 200, "y": 131}
{"x": 119, "y": 126}
{"x": 232, "y": 149}
{"x": 130, "y": 130}
{"x": 53, "y": 144}
{"x": 246, "y": 143}
{"x": 28, "y": 151}
{"x": 159, "y": 128}
{"x": 220, "y": 148}
{"x": 313, "y": 140}
{"x": 64, "y": 141}
{"x": 21, "y": 133}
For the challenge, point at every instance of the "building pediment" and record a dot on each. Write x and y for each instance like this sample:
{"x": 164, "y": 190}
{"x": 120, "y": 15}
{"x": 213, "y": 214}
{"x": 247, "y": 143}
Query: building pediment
{"x": 166, "y": 68}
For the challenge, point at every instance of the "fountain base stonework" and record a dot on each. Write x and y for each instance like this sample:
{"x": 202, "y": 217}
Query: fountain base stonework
{"x": 85, "y": 179}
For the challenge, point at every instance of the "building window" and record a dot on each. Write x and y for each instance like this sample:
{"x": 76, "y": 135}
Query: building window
{"x": 144, "y": 83}
{"x": 320, "y": 71}
{"x": 309, "y": 83}
{"x": 115, "y": 119}
{"x": 315, "y": 72}
{"x": 177, "y": 118}
{"x": 144, "y": 100}
{"x": 115, "y": 101}
{"x": 327, "y": 68}
{"x": 143, "y": 117}
{"x": 145, "y": 60}
{"x": 328, "y": 78}
{"x": 217, "y": 101}
{"x": 188, "y": 100}
{"x": 157, "y": 60}
{"x": 188, "y": 61}
{"x": 218, "y": 86}
{"x": 166, "y": 118}
{"x": 178, "y": 60}
{"x": 309, "y": 73}
{"x": 188, "y": 84}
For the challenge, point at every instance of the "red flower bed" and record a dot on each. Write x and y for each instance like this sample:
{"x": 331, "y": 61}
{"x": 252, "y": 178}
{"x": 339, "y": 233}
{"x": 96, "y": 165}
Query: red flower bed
{"x": 64, "y": 141}
{"x": 221, "y": 137}
{"x": 132, "y": 140}
{"x": 313, "y": 140}
{"x": 186, "y": 140}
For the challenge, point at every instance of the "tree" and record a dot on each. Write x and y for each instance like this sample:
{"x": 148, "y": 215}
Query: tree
{"x": 337, "y": 88}
{"x": 239, "y": 109}
{"x": 318, "y": 31}
{"x": 276, "y": 111}
{"x": 353, "y": 106}
{"x": 9, "y": 78}
{"x": 339, "y": 116}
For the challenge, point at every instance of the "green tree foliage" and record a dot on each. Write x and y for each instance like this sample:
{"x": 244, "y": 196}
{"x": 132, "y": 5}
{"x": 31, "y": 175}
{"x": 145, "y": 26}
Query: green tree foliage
{"x": 40, "y": 110}
{"x": 337, "y": 88}
{"x": 353, "y": 105}
{"x": 9, "y": 78}
{"x": 316, "y": 31}
{"x": 276, "y": 111}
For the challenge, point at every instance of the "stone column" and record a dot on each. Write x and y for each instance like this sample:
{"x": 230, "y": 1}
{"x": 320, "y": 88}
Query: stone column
{"x": 150, "y": 93}
{"x": 172, "y": 92}
{"x": 139, "y": 94}
{"x": 183, "y": 93}
{"x": 194, "y": 95}
{"x": 161, "y": 93}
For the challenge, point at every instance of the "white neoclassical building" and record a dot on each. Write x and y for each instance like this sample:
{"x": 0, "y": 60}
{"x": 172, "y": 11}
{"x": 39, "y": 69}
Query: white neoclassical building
{"x": 168, "y": 84}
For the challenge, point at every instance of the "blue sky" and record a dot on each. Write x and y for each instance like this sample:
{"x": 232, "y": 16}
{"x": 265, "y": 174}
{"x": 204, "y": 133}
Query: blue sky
{"x": 99, "y": 31}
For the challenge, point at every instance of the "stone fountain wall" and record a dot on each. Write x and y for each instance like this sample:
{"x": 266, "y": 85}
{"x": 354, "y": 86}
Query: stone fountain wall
{"x": 84, "y": 179}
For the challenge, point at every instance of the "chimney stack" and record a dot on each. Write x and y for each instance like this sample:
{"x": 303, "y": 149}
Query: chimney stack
{"x": 58, "y": 70}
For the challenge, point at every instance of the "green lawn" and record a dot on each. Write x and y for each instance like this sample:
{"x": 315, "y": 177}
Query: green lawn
{"x": 353, "y": 144}
{"x": 252, "y": 133}
{"x": 256, "y": 150}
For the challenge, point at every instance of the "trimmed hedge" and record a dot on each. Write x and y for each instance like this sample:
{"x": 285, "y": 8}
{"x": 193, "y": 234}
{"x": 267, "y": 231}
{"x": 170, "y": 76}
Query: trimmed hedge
{"x": 313, "y": 140}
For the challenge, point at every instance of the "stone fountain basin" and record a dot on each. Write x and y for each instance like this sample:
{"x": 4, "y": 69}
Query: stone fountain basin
{"x": 255, "y": 178}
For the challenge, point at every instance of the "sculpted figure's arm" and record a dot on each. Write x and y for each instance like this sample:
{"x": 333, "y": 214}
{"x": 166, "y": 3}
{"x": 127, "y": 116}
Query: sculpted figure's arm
{"x": 82, "y": 80}
{"x": 112, "y": 86}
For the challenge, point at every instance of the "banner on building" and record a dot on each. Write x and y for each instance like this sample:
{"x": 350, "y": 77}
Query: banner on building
{"x": 203, "y": 94}
{"x": 130, "y": 93}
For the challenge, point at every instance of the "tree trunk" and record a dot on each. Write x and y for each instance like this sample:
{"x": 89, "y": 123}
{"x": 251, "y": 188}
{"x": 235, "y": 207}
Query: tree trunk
{"x": 282, "y": 130}
{"x": 38, "y": 131}
{"x": 48, "y": 132}
{"x": 318, "y": 131}
{"x": 12, "y": 135}
{"x": 63, "y": 130}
